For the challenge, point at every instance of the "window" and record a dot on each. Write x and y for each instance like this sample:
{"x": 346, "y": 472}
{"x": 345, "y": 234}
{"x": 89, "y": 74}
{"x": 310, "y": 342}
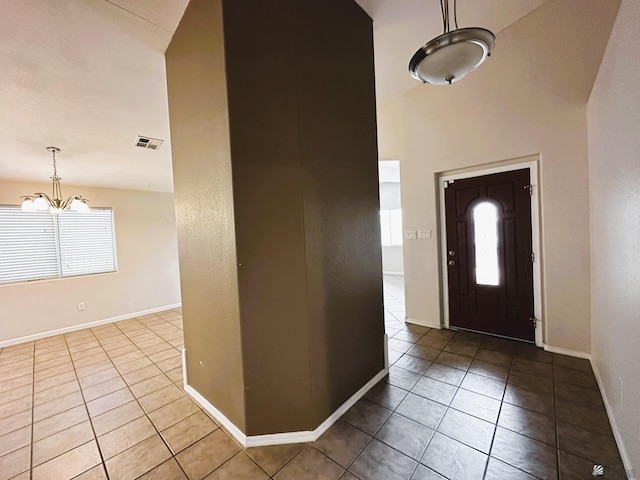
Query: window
{"x": 40, "y": 245}
{"x": 391, "y": 227}
{"x": 390, "y": 205}
{"x": 485, "y": 227}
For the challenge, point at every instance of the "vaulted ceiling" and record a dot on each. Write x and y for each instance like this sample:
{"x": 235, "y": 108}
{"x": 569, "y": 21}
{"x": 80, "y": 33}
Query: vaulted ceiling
{"x": 88, "y": 76}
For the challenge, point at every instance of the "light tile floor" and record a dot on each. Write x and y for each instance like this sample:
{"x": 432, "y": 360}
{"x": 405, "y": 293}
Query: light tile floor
{"x": 108, "y": 402}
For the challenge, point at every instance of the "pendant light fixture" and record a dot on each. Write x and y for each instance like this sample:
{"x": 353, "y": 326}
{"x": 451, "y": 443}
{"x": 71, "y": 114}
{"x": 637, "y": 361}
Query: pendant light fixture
{"x": 42, "y": 202}
{"x": 451, "y": 56}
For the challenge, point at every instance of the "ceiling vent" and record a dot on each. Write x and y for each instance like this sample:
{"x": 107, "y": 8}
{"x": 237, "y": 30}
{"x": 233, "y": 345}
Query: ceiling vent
{"x": 148, "y": 142}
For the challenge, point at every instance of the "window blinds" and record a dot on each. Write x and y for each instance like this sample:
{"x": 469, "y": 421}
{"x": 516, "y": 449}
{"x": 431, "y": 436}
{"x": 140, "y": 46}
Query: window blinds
{"x": 39, "y": 245}
{"x": 86, "y": 242}
{"x": 27, "y": 245}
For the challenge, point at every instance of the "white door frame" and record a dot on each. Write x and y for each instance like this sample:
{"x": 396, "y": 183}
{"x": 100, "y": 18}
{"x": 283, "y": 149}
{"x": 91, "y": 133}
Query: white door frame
{"x": 532, "y": 164}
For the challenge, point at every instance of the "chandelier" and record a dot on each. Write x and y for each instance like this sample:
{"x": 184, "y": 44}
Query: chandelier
{"x": 451, "y": 56}
{"x": 41, "y": 201}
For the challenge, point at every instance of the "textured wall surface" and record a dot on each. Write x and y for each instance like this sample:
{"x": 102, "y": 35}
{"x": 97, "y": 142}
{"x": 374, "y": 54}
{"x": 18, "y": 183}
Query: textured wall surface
{"x": 303, "y": 147}
{"x": 293, "y": 249}
{"x": 204, "y": 208}
{"x": 614, "y": 180}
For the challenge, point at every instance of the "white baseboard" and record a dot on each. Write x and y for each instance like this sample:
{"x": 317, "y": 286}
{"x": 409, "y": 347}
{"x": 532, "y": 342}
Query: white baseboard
{"x": 97, "y": 323}
{"x": 217, "y": 414}
{"x": 423, "y": 323}
{"x": 626, "y": 458}
{"x": 278, "y": 438}
{"x": 185, "y": 380}
{"x": 566, "y": 351}
{"x": 386, "y": 351}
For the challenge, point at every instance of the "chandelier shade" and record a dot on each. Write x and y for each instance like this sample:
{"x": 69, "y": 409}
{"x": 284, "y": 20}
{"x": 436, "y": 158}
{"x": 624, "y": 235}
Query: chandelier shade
{"x": 41, "y": 201}
{"x": 451, "y": 56}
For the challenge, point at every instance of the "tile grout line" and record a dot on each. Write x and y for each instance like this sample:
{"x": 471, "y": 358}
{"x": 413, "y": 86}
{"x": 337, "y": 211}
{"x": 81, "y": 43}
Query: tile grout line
{"x": 173, "y": 456}
{"x": 33, "y": 401}
{"x": 84, "y": 402}
{"x": 394, "y": 410}
{"x": 495, "y": 430}
{"x": 513, "y": 357}
{"x": 67, "y": 351}
{"x": 555, "y": 415}
{"x": 435, "y": 430}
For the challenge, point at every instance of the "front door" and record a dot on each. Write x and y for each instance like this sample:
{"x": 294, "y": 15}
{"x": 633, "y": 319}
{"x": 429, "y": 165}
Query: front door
{"x": 489, "y": 254}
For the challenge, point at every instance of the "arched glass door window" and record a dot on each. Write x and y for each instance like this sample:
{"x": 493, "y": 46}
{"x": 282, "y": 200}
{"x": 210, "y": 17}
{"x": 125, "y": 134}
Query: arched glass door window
{"x": 485, "y": 228}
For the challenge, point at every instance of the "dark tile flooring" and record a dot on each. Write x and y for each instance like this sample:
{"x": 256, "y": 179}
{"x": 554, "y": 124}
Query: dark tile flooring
{"x": 459, "y": 405}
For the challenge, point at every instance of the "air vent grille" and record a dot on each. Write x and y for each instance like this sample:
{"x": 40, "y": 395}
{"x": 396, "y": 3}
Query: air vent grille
{"x": 148, "y": 142}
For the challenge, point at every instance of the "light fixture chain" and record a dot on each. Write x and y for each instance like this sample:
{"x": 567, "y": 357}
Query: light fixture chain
{"x": 55, "y": 171}
{"x": 446, "y": 22}
{"x": 455, "y": 13}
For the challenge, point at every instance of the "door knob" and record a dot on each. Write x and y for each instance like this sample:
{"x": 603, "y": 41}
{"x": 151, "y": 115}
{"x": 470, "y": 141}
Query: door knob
{"x": 452, "y": 253}
{"x": 451, "y": 263}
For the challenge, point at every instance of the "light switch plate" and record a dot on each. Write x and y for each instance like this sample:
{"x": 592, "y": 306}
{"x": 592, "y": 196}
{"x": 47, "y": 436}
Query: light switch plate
{"x": 424, "y": 234}
{"x": 410, "y": 235}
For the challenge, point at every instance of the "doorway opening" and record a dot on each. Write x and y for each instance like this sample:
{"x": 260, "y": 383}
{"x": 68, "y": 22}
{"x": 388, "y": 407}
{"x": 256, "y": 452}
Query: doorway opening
{"x": 489, "y": 222}
{"x": 391, "y": 237}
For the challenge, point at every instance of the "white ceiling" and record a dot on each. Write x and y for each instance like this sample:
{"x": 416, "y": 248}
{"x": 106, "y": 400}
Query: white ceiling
{"x": 88, "y": 76}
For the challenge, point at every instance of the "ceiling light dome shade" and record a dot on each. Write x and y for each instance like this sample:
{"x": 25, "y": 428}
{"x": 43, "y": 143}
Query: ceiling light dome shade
{"x": 451, "y": 56}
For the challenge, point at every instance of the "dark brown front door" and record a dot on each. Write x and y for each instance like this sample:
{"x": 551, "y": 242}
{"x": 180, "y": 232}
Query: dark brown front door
{"x": 489, "y": 254}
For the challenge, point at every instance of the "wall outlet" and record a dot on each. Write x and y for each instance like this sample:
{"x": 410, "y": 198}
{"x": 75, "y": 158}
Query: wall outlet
{"x": 410, "y": 235}
{"x": 424, "y": 234}
{"x": 81, "y": 307}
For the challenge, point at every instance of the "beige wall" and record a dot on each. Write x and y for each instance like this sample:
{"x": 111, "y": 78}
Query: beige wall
{"x": 198, "y": 111}
{"x": 390, "y": 128}
{"x": 147, "y": 276}
{"x": 528, "y": 99}
{"x": 614, "y": 172}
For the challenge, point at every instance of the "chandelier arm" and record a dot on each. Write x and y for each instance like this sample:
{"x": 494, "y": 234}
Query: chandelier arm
{"x": 51, "y": 202}
{"x": 67, "y": 202}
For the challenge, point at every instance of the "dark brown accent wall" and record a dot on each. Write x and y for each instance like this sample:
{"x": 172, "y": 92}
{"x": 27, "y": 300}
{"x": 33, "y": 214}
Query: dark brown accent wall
{"x": 338, "y": 152}
{"x": 303, "y": 157}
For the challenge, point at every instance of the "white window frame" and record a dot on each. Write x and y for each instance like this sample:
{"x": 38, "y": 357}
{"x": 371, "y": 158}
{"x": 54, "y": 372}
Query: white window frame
{"x": 107, "y": 261}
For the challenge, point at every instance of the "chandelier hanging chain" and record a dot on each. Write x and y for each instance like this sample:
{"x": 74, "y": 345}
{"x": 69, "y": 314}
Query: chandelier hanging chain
{"x": 57, "y": 190}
